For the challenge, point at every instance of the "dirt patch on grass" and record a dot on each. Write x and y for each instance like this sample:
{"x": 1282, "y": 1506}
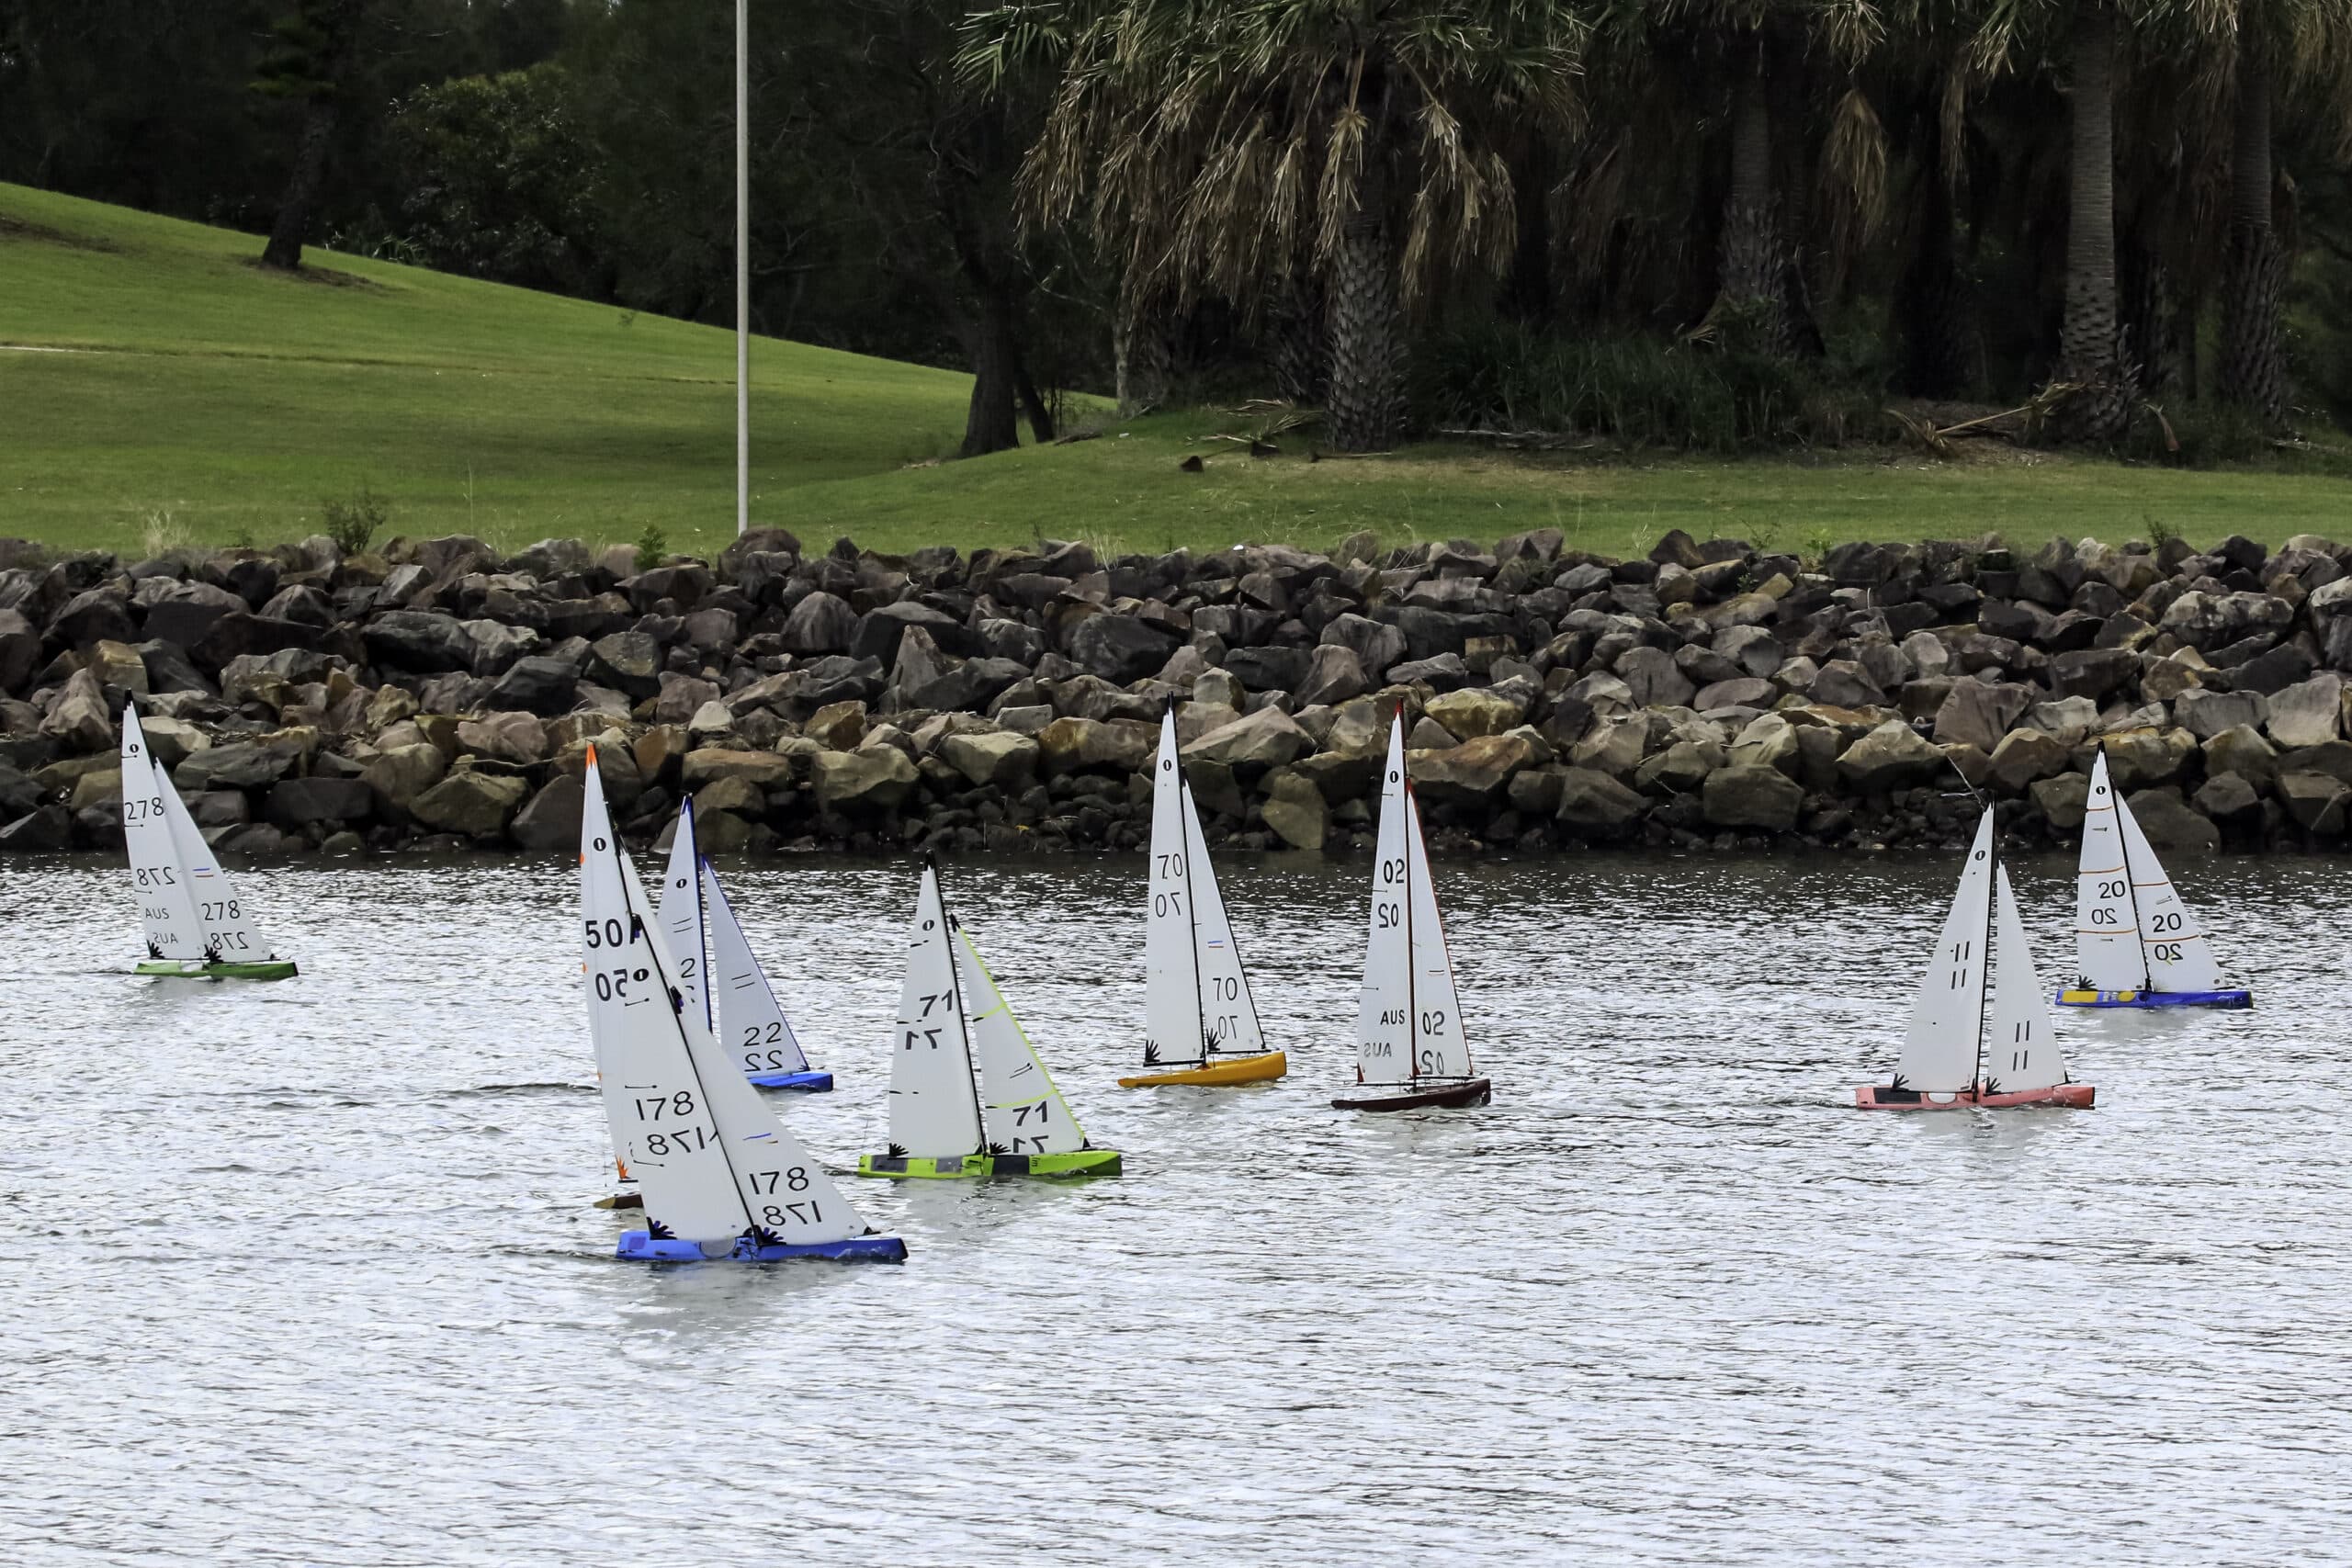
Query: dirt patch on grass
{"x": 321, "y": 277}
{"x": 42, "y": 233}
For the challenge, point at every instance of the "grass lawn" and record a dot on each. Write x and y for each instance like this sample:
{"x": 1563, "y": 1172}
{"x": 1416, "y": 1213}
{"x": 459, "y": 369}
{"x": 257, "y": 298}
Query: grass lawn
{"x": 209, "y": 401}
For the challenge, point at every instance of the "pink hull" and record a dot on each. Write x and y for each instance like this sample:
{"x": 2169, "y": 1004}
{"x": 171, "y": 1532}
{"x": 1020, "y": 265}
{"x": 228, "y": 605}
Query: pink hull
{"x": 1876, "y": 1097}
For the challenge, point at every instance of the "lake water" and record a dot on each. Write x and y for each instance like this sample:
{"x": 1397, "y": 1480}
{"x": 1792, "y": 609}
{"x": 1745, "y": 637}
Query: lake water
{"x": 307, "y": 1272}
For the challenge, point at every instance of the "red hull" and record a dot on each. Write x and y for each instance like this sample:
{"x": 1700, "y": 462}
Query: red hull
{"x": 1878, "y": 1097}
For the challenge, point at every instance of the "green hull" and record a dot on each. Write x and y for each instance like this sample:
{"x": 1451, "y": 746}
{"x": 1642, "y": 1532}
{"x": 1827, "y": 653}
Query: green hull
{"x": 982, "y": 1168}
{"x": 197, "y": 969}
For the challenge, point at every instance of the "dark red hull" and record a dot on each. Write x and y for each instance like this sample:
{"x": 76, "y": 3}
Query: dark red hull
{"x": 1441, "y": 1097}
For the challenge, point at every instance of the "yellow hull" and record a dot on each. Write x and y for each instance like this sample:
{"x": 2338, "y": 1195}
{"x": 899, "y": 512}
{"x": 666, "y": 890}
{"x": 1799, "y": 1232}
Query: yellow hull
{"x": 1243, "y": 1069}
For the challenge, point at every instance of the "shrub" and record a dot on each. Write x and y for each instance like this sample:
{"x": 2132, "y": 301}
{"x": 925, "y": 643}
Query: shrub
{"x": 1642, "y": 392}
{"x": 653, "y": 548}
{"x": 352, "y": 523}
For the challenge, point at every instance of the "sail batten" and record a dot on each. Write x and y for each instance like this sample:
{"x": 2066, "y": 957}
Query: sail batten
{"x": 2107, "y": 951}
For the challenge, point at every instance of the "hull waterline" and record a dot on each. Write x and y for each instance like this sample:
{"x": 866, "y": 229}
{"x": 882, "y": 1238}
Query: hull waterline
{"x": 2066, "y": 1095}
{"x": 2078, "y": 998}
{"x": 1242, "y": 1069}
{"x": 1443, "y": 1097}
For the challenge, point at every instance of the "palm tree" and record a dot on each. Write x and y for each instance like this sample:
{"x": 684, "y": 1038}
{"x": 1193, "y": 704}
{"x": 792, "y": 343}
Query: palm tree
{"x": 1231, "y": 146}
{"x": 2254, "y": 364}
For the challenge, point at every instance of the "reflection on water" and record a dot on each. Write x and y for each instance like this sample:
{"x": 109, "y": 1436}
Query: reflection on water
{"x": 307, "y": 1273}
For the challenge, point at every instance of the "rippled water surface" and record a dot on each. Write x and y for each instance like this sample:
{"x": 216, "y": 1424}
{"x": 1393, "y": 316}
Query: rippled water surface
{"x": 307, "y": 1272}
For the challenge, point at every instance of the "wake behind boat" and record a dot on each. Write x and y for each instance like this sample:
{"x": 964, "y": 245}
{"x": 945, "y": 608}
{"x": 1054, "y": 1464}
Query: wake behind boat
{"x": 938, "y": 1125}
{"x": 718, "y": 1175}
{"x": 194, "y": 921}
{"x": 1411, "y": 1052}
{"x": 2136, "y": 943}
{"x": 1200, "y": 1022}
{"x": 1950, "y": 1061}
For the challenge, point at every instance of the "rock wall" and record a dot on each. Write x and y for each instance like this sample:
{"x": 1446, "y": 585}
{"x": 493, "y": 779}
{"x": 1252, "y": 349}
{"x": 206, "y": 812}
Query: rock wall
{"x": 439, "y": 694}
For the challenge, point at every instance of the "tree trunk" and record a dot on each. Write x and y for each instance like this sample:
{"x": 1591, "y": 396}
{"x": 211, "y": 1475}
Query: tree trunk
{"x": 293, "y": 223}
{"x": 1297, "y": 347}
{"x": 1365, "y": 320}
{"x": 1527, "y": 292}
{"x": 2088, "y": 353}
{"x": 2254, "y": 364}
{"x": 1750, "y": 266}
{"x": 1142, "y": 365}
{"x": 990, "y": 424}
{"x": 1931, "y": 303}
{"x": 1032, "y": 406}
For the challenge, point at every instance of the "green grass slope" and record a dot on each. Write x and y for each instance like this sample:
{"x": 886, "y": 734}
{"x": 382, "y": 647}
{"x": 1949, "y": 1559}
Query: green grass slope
{"x": 195, "y": 393}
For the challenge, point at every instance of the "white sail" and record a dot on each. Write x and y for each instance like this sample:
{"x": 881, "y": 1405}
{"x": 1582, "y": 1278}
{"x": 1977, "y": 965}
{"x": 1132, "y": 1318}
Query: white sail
{"x": 2178, "y": 956}
{"x": 750, "y": 1025}
{"x": 1939, "y": 1049}
{"x": 2106, "y": 926}
{"x": 1383, "y": 1010}
{"x": 2021, "y": 1049}
{"x": 1172, "y": 1027}
{"x": 1026, "y": 1114}
{"x": 783, "y": 1192}
{"x": 934, "y": 1112}
{"x": 1440, "y": 1050}
{"x": 682, "y": 915}
{"x": 663, "y": 1127}
{"x": 226, "y": 930}
{"x": 1229, "y": 1014}
{"x": 167, "y": 908}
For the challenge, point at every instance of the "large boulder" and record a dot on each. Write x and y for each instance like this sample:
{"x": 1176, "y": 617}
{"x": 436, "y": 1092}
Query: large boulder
{"x": 1296, "y": 811}
{"x": 245, "y": 765}
{"x": 1334, "y": 675}
{"x": 1072, "y": 745}
{"x": 628, "y": 661}
{"x": 2207, "y": 713}
{"x": 50, "y": 828}
{"x": 1473, "y": 712}
{"x": 1252, "y": 743}
{"x": 1752, "y": 794}
{"x": 2023, "y": 756}
{"x": 2315, "y": 801}
{"x": 295, "y": 803}
{"x": 508, "y": 737}
{"x": 2139, "y": 758}
{"x": 541, "y": 683}
{"x": 1595, "y": 805}
{"x": 1974, "y": 714}
{"x": 707, "y": 765}
{"x": 81, "y": 717}
{"x": 474, "y": 804}
{"x": 879, "y": 629}
{"x": 997, "y": 757}
{"x": 2093, "y": 673}
{"x": 1121, "y": 648}
{"x": 1375, "y": 644}
{"x": 417, "y": 641}
{"x": 398, "y": 775}
{"x": 875, "y": 779}
{"x": 1651, "y": 674}
{"x": 2171, "y": 824}
{"x": 1475, "y": 774}
{"x": 2309, "y": 713}
{"x": 2239, "y": 750}
{"x": 2064, "y": 800}
{"x": 1891, "y": 757}
{"x": 550, "y": 823}
{"x": 821, "y": 622}
{"x": 1768, "y": 740}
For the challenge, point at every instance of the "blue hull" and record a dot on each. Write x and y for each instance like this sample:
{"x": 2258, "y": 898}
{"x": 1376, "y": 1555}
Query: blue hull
{"x": 2080, "y": 998}
{"x": 639, "y": 1246}
{"x": 807, "y": 1083}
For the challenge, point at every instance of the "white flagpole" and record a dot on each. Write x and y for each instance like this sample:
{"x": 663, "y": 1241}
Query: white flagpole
{"x": 743, "y": 275}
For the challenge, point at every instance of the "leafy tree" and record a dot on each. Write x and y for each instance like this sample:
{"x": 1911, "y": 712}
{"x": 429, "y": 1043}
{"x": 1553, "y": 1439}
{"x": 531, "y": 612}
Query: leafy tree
{"x": 1238, "y": 147}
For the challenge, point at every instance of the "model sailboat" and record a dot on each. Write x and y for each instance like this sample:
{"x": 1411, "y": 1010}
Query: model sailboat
{"x": 2136, "y": 944}
{"x": 195, "y": 923}
{"x": 1200, "y": 1022}
{"x": 1951, "y": 1058}
{"x": 720, "y": 1176}
{"x": 718, "y": 974}
{"x": 948, "y": 1005}
{"x": 1411, "y": 1052}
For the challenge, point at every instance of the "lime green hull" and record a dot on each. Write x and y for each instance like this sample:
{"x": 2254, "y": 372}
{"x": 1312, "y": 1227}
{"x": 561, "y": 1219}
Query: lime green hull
{"x": 983, "y": 1167}
{"x": 197, "y": 969}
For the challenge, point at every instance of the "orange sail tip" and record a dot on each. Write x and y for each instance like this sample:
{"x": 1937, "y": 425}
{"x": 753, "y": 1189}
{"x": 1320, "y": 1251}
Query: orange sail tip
{"x": 592, "y": 753}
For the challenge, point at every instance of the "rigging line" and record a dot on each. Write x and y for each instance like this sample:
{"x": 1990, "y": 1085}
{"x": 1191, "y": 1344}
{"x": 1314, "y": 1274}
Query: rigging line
{"x": 1187, "y": 826}
{"x": 2131, "y": 885}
